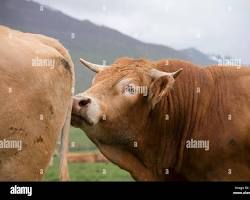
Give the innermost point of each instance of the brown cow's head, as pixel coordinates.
(114, 110)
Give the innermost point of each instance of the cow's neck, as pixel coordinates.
(173, 122)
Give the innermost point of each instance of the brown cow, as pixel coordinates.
(36, 77)
(193, 125)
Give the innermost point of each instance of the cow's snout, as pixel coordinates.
(86, 109)
(84, 102)
(80, 103)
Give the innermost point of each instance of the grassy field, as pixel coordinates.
(86, 171)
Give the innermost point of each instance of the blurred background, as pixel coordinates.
(204, 32)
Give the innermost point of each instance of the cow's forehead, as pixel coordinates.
(132, 62)
(120, 71)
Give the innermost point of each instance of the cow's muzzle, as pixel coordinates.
(85, 110)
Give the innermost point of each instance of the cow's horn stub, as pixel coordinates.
(94, 67)
(175, 74)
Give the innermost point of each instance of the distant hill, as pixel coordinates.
(85, 39)
(197, 56)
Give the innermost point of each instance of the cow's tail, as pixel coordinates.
(63, 168)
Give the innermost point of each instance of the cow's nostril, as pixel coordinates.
(84, 102)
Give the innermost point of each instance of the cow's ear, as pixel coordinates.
(161, 84)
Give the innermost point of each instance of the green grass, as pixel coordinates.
(86, 171)
(82, 142)
(97, 172)
(89, 172)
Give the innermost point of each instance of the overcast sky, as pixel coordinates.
(212, 26)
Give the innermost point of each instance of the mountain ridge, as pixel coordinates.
(83, 38)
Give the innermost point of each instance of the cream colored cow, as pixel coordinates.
(36, 77)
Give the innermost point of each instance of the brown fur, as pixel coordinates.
(161, 143)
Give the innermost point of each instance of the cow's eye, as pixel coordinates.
(129, 89)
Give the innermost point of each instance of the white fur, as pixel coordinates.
(93, 111)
